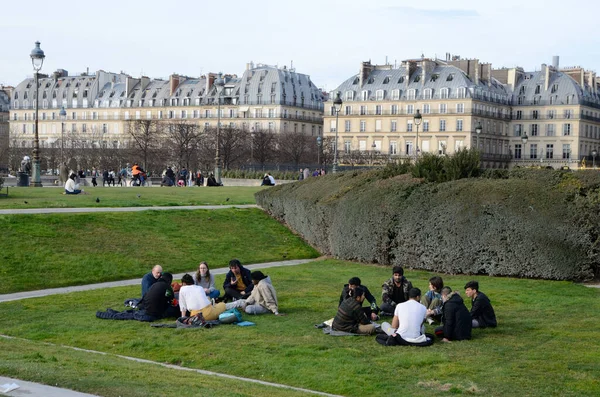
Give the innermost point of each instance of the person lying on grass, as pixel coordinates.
(370, 311)
(350, 317)
(482, 312)
(455, 317)
(71, 187)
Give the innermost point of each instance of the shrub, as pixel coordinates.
(465, 163)
(430, 167)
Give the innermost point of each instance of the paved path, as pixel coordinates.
(137, 281)
(119, 209)
(37, 390)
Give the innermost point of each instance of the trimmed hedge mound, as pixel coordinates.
(535, 223)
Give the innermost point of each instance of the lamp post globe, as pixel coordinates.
(337, 106)
(37, 61)
(524, 138)
(63, 117)
(478, 130)
(219, 84)
(417, 120)
(319, 144)
(594, 154)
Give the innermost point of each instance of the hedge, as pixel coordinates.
(522, 223)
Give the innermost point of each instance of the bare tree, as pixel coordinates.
(146, 135)
(263, 147)
(183, 139)
(294, 146)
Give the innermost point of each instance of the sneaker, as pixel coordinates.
(430, 321)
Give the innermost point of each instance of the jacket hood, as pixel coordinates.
(266, 280)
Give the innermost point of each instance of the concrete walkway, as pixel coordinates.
(37, 390)
(119, 209)
(136, 281)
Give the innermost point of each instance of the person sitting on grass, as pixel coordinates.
(350, 317)
(370, 311)
(394, 291)
(408, 318)
(192, 298)
(482, 312)
(456, 318)
(238, 282)
(150, 278)
(206, 280)
(433, 299)
(263, 298)
(157, 302)
(71, 187)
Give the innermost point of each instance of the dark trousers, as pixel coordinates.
(231, 293)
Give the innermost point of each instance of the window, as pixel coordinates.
(363, 110)
(377, 125)
(550, 114)
(460, 108)
(394, 126)
(549, 151)
(518, 128)
(348, 110)
(137, 115)
(395, 95)
(411, 94)
(537, 89)
(443, 108)
(534, 130)
(535, 114)
(568, 114)
(270, 113)
(442, 125)
(444, 93)
(347, 146)
(149, 114)
(365, 95)
(533, 151)
(332, 126)
(442, 146)
(379, 95)
(566, 129)
(426, 108)
(363, 126)
(83, 127)
(348, 126)
(566, 151)
(459, 125)
(425, 125)
(519, 115)
(518, 151)
(207, 113)
(349, 95)
(427, 93)
(410, 109)
(409, 126)
(462, 92)
(393, 147)
(394, 109)
(378, 109)
(104, 128)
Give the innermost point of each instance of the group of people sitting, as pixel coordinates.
(252, 292)
(411, 309)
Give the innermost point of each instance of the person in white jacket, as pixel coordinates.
(263, 298)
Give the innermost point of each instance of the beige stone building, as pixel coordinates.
(99, 107)
(5, 93)
(557, 109)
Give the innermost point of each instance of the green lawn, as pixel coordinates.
(55, 250)
(545, 343)
(26, 197)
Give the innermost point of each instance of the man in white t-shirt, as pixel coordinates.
(192, 298)
(408, 318)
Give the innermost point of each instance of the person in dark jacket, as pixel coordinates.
(156, 302)
(350, 317)
(482, 312)
(455, 317)
(238, 282)
(370, 311)
(394, 291)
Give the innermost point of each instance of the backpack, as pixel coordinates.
(230, 316)
(196, 321)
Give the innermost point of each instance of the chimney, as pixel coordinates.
(130, 83)
(210, 80)
(555, 63)
(546, 71)
(145, 82)
(365, 71)
(173, 83)
(411, 68)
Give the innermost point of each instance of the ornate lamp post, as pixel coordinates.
(417, 120)
(478, 130)
(37, 60)
(337, 106)
(219, 83)
(63, 117)
(524, 140)
(319, 144)
(594, 154)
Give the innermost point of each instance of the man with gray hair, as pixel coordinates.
(150, 278)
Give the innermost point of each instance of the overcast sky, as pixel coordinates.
(326, 39)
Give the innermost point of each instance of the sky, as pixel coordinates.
(326, 39)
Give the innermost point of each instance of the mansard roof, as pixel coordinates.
(562, 89)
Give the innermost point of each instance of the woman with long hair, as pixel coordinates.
(206, 280)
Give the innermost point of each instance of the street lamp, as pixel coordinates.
(252, 136)
(594, 154)
(417, 119)
(219, 83)
(319, 144)
(524, 140)
(63, 117)
(478, 130)
(337, 106)
(373, 147)
(37, 60)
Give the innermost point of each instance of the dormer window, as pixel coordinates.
(538, 89)
(349, 95)
(417, 79)
(434, 77)
(444, 93)
(379, 95)
(371, 80)
(554, 88)
(386, 80)
(401, 80)
(450, 77)
(522, 90)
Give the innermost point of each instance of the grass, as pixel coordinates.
(55, 250)
(543, 345)
(21, 198)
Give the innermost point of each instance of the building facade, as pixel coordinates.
(99, 107)
(554, 108)
(5, 93)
